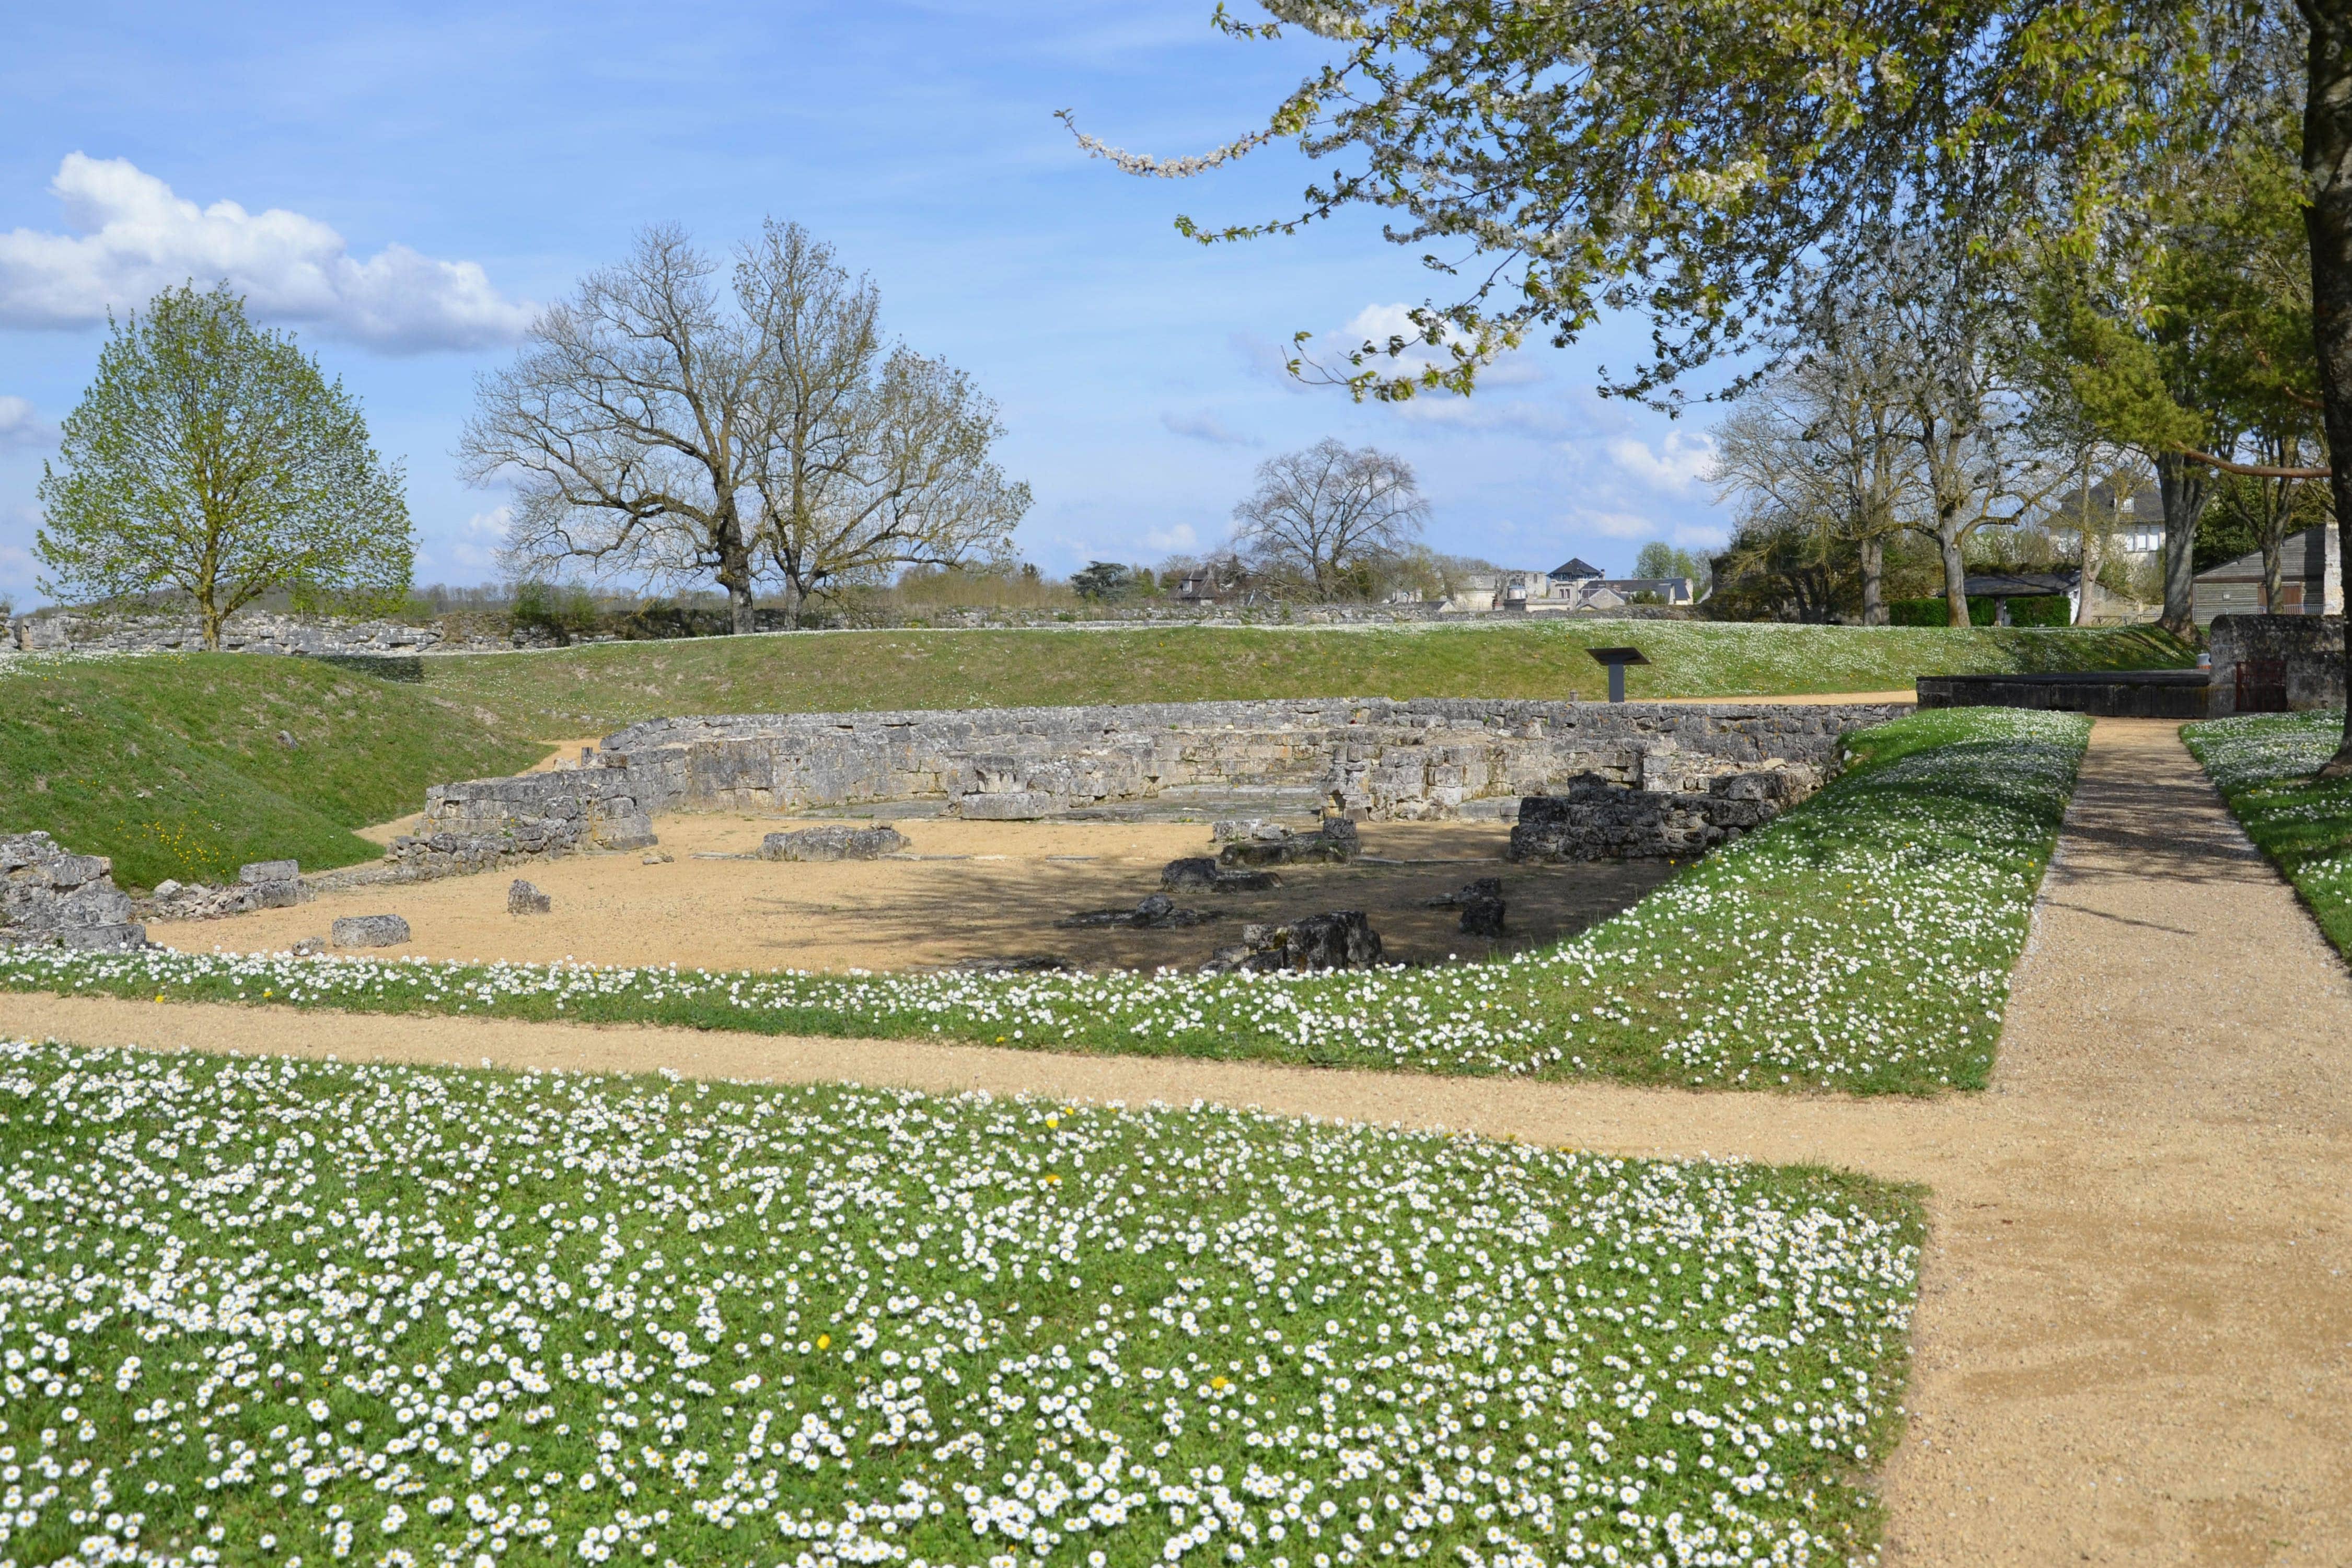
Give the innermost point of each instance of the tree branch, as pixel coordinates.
(2254, 470)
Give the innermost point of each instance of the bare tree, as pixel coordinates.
(881, 455)
(1821, 445)
(661, 426)
(1331, 518)
(633, 425)
(1977, 453)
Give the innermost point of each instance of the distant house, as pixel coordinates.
(1572, 586)
(1626, 591)
(2311, 581)
(2132, 519)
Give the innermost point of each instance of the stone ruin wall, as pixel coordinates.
(1369, 758)
(2309, 650)
(98, 631)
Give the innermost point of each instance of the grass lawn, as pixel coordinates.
(261, 1312)
(1861, 941)
(175, 764)
(2262, 764)
(595, 690)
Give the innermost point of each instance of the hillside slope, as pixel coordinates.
(187, 766)
(595, 690)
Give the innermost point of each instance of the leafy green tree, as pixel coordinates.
(1688, 163)
(213, 458)
(2188, 336)
(1106, 581)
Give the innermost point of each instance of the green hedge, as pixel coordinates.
(2050, 612)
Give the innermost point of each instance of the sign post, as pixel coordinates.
(1617, 659)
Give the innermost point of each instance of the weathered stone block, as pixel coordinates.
(259, 871)
(1336, 840)
(1014, 806)
(125, 937)
(370, 931)
(833, 843)
(74, 870)
(523, 898)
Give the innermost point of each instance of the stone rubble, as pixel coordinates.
(1156, 912)
(260, 885)
(1336, 841)
(1343, 940)
(50, 896)
(1204, 872)
(523, 898)
(1597, 817)
(833, 843)
(1481, 903)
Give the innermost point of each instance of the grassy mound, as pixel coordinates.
(187, 766)
(1861, 941)
(596, 690)
(2263, 763)
(263, 1311)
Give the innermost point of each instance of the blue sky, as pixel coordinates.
(409, 182)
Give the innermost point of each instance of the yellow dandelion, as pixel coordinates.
(1216, 1382)
(1053, 1120)
(824, 1342)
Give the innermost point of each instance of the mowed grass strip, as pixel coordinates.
(1861, 941)
(262, 1311)
(2262, 764)
(187, 766)
(598, 689)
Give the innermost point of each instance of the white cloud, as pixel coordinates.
(21, 426)
(479, 539)
(130, 238)
(1208, 427)
(1678, 466)
(1619, 525)
(1178, 538)
(1515, 416)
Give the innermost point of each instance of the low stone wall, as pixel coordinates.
(2106, 694)
(2293, 662)
(1366, 758)
(251, 632)
(256, 632)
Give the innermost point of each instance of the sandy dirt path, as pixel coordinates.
(977, 893)
(2135, 1340)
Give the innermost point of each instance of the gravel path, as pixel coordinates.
(2134, 1345)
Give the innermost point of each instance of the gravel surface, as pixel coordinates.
(2135, 1339)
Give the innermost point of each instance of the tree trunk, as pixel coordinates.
(209, 617)
(2089, 583)
(1956, 576)
(2327, 170)
(735, 577)
(1873, 580)
(2271, 552)
(2183, 486)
